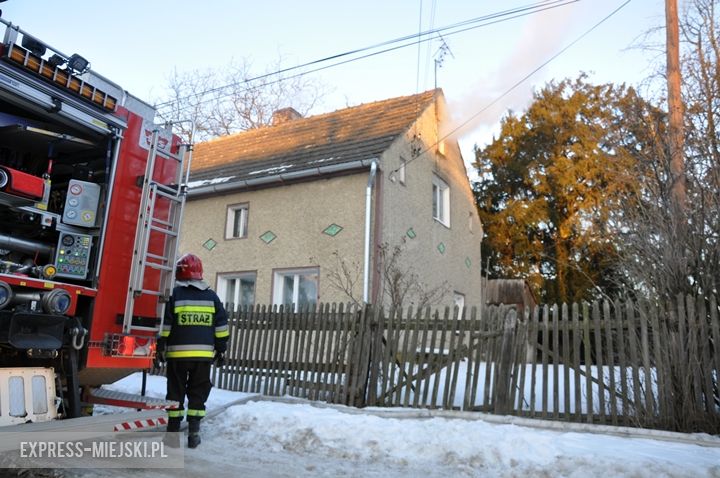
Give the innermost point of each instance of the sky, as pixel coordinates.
(139, 43)
(293, 438)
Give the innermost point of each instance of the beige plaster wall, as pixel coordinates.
(297, 214)
(410, 206)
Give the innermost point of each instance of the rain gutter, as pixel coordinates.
(277, 179)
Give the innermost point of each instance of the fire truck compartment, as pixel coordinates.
(27, 394)
(53, 186)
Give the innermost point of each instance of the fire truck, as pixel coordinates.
(91, 200)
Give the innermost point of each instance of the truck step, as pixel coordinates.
(130, 400)
(89, 427)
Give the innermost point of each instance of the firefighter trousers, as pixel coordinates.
(189, 378)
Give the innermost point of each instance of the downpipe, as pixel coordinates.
(368, 214)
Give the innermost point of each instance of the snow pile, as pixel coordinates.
(452, 447)
(271, 438)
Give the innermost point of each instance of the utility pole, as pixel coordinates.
(675, 108)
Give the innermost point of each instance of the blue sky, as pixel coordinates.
(138, 44)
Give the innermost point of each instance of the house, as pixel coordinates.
(368, 203)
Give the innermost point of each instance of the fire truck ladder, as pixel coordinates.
(161, 211)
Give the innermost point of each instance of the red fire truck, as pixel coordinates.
(91, 199)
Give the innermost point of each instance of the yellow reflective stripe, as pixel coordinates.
(175, 413)
(221, 334)
(194, 308)
(195, 413)
(165, 333)
(189, 353)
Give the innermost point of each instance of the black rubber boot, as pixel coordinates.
(172, 435)
(193, 432)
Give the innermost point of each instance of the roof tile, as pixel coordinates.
(356, 133)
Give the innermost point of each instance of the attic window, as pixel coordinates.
(441, 147)
(401, 170)
(441, 201)
(237, 221)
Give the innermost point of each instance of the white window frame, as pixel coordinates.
(441, 147)
(441, 198)
(401, 170)
(279, 283)
(230, 221)
(222, 286)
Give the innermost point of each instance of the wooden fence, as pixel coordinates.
(620, 363)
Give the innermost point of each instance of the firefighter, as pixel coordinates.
(195, 332)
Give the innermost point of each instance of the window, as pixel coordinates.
(401, 170)
(441, 147)
(298, 287)
(441, 201)
(237, 289)
(237, 220)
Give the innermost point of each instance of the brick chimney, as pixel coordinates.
(284, 115)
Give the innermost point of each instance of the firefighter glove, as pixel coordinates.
(159, 359)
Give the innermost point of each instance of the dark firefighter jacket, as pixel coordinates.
(195, 323)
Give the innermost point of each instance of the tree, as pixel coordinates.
(550, 184)
(400, 285)
(231, 99)
(667, 252)
(345, 276)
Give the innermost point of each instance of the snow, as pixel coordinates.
(273, 170)
(283, 437)
(323, 160)
(209, 182)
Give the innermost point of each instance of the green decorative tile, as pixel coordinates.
(268, 237)
(209, 244)
(332, 230)
(411, 233)
(441, 248)
(468, 262)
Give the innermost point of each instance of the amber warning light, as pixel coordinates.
(52, 70)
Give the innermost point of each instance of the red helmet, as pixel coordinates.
(189, 267)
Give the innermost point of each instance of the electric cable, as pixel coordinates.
(515, 85)
(417, 38)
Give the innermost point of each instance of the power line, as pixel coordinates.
(516, 84)
(417, 72)
(418, 38)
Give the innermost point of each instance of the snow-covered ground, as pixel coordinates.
(287, 438)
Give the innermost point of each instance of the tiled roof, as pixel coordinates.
(351, 134)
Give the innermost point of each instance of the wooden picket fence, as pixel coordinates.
(619, 363)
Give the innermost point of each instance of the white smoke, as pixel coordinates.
(538, 38)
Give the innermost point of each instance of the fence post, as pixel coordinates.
(505, 366)
(377, 331)
(360, 357)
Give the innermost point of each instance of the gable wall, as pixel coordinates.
(410, 206)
